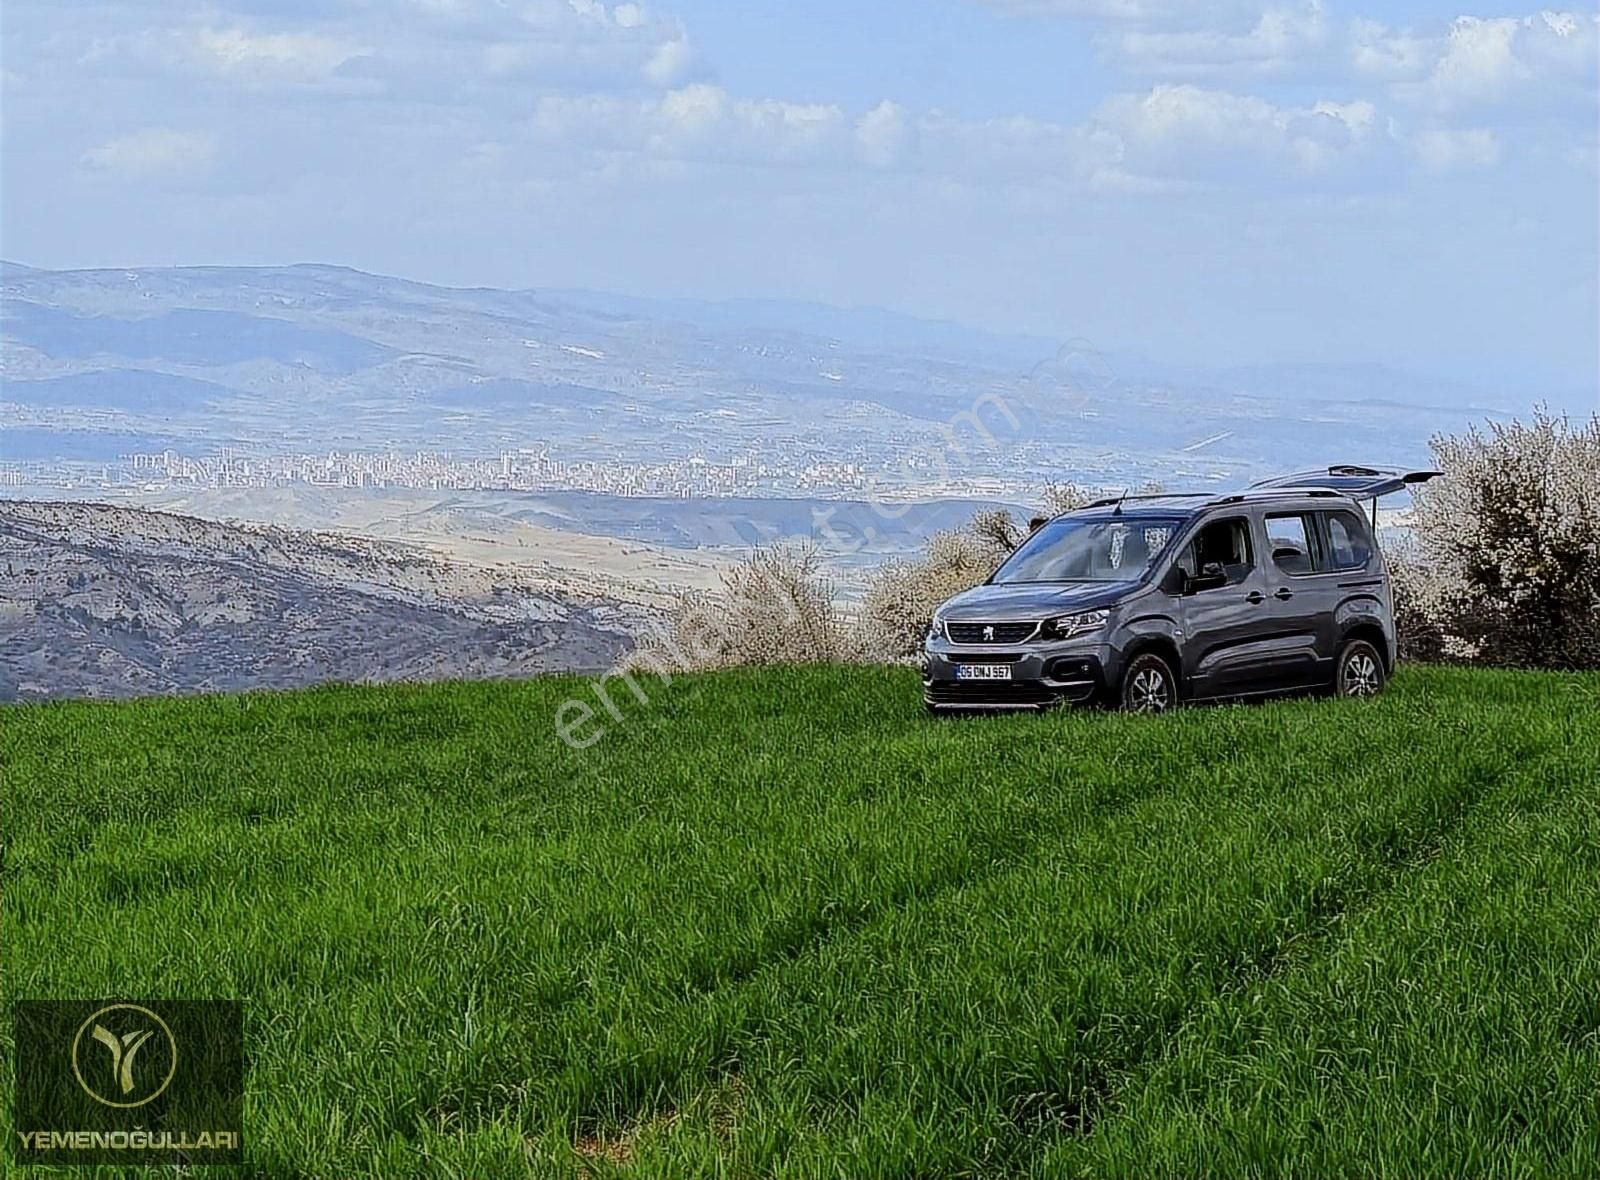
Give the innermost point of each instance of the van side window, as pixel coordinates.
(1289, 537)
(1224, 543)
(1348, 547)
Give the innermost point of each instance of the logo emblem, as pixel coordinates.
(988, 633)
(111, 1062)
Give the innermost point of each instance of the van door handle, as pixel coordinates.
(1255, 596)
(1282, 593)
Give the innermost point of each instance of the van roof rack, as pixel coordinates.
(1107, 501)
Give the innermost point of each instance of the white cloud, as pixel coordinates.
(1531, 59)
(670, 62)
(1480, 60)
(1174, 136)
(1279, 39)
(271, 55)
(1443, 149)
(441, 50)
(791, 127)
(881, 134)
(1378, 52)
(1143, 141)
(1184, 130)
(691, 112)
(695, 122)
(1483, 61)
(1117, 10)
(153, 151)
(560, 88)
(704, 122)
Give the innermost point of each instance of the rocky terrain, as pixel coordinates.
(97, 600)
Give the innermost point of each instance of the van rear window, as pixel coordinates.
(1348, 547)
(1321, 542)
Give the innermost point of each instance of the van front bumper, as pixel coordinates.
(1040, 676)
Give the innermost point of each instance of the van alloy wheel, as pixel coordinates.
(1148, 685)
(1360, 670)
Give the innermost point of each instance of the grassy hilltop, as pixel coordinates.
(782, 923)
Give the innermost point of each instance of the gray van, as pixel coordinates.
(1146, 601)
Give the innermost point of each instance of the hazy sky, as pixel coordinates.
(1218, 183)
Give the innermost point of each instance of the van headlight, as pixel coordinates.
(1072, 626)
(936, 628)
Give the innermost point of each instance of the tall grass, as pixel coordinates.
(778, 922)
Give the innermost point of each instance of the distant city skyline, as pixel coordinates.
(1202, 184)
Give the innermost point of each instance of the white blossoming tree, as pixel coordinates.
(1503, 565)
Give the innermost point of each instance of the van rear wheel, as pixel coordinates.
(1359, 671)
(1148, 685)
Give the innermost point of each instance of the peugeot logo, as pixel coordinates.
(988, 633)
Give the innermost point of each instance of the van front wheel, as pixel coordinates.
(1148, 685)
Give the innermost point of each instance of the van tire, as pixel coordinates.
(1148, 685)
(1359, 670)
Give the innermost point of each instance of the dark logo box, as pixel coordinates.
(128, 1082)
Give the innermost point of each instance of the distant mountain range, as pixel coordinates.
(99, 363)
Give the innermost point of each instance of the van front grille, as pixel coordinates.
(979, 633)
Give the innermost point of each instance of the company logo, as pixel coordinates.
(101, 1081)
(988, 633)
(110, 1059)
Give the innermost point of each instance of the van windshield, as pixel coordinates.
(1119, 549)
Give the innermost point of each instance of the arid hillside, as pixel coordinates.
(108, 601)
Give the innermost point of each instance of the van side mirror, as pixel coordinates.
(1175, 582)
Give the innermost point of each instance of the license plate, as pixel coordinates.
(983, 671)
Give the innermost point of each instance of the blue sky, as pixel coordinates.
(1221, 183)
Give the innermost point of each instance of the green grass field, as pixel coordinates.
(784, 924)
